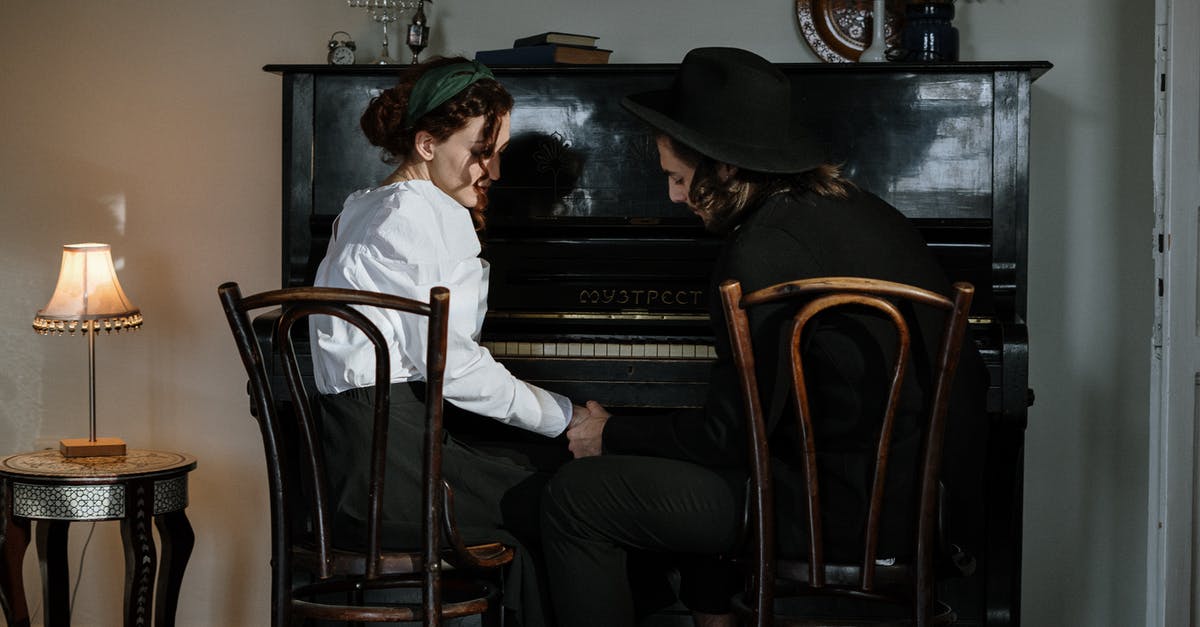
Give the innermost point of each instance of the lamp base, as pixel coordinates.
(83, 447)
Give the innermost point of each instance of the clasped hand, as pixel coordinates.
(586, 430)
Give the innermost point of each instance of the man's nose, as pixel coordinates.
(676, 194)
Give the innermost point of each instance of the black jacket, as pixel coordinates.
(796, 236)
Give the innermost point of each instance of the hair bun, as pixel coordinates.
(384, 118)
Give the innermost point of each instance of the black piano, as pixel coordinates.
(598, 281)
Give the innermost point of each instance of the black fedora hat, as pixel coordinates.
(733, 106)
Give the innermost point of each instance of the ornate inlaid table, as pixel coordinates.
(136, 488)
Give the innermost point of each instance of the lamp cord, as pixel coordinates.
(79, 571)
(78, 577)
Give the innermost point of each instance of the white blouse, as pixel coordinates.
(403, 239)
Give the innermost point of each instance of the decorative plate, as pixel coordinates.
(839, 30)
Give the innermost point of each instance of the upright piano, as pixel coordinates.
(598, 281)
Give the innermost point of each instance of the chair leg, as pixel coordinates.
(496, 614)
(493, 617)
(356, 597)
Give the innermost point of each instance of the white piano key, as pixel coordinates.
(600, 350)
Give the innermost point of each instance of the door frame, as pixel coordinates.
(1175, 358)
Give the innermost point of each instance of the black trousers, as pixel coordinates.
(498, 473)
(598, 510)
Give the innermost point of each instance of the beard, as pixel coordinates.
(718, 220)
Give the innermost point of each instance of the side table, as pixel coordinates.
(135, 488)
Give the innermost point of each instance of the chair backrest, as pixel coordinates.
(296, 469)
(812, 297)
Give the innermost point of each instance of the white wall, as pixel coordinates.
(1091, 286)
(151, 126)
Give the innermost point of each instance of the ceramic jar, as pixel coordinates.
(929, 35)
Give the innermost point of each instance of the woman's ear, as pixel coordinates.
(423, 145)
(726, 172)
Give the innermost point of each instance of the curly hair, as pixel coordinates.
(725, 200)
(385, 125)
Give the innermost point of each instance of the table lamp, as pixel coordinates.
(88, 299)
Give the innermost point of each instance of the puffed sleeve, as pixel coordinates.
(400, 262)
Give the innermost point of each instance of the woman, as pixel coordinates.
(444, 126)
(676, 485)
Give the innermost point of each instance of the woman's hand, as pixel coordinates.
(579, 413)
(586, 434)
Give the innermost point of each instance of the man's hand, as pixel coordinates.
(586, 434)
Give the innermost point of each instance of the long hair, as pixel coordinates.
(726, 200)
(386, 127)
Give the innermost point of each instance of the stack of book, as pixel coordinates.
(545, 49)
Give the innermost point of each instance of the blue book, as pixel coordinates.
(553, 37)
(545, 54)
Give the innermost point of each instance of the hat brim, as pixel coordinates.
(796, 154)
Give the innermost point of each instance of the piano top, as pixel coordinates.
(1035, 68)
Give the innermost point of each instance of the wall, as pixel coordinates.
(1090, 301)
(151, 126)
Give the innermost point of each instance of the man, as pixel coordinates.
(676, 485)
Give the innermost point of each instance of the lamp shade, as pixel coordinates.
(88, 296)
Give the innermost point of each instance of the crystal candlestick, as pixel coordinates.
(384, 12)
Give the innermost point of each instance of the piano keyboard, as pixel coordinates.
(601, 350)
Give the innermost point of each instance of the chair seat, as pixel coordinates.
(343, 562)
(460, 597)
(890, 578)
(808, 611)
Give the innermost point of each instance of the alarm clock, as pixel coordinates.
(341, 51)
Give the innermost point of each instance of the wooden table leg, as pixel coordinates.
(138, 539)
(51, 538)
(177, 539)
(14, 540)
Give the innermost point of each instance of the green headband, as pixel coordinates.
(441, 84)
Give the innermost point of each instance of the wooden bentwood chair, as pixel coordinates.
(894, 584)
(312, 578)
